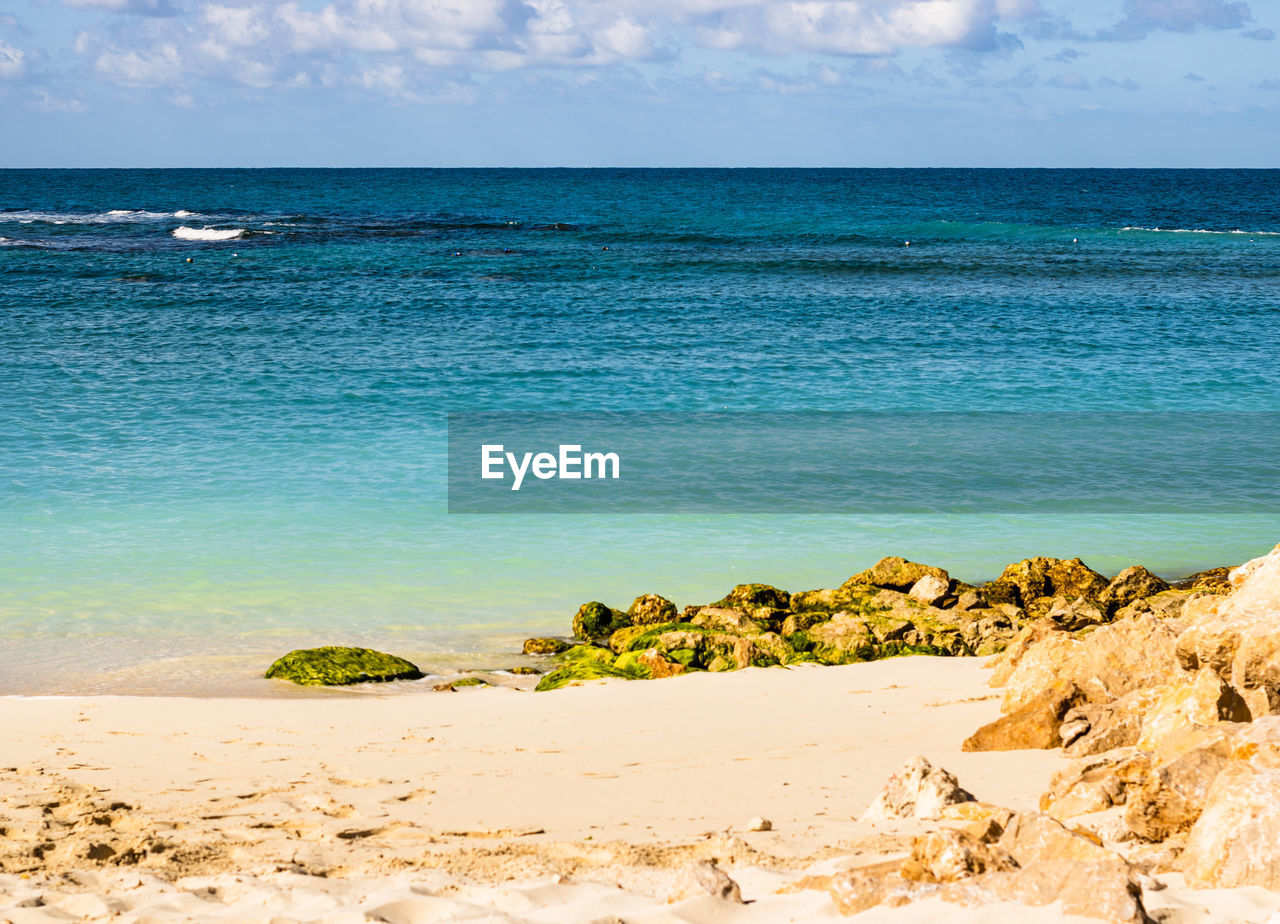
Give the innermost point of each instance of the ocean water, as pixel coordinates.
(224, 393)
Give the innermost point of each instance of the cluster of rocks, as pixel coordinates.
(895, 607)
(1170, 716)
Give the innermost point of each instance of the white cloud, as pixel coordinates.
(13, 62)
(139, 68)
(1143, 17)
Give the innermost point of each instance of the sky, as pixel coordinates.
(981, 83)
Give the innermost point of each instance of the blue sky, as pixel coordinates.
(640, 82)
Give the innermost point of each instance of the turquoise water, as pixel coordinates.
(246, 452)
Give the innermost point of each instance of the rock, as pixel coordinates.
(856, 890)
(545, 646)
(975, 599)
(916, 790)
(337, 666)
(1116, 724)
(1204, 700)
(1133, 583)
(987, 631)
(1238, 636)
(896, 574)
(1170, 798)
(843, 639)
(930, 589)
(949, 855)
(751, 597)
(650, 663)
(726, 619)
(760, 824)
(651, 609)
(1076, 615)
(1236, 840)
(1213, 581)
(1053, 577)
(1109, 662)
(1001, 591)
(594, 621)
(525, 671)
(1035, 724)
(1093, 784)
(1167, 604)
(1026, 638)
(1034, 837)
(584, 663)
(706, 878)
(1107, 890)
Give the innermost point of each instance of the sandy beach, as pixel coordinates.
(587, 804)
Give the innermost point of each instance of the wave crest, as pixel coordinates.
(208, 234)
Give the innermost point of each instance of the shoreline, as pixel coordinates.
(236, 669)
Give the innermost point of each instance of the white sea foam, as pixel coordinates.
(1200, 231)
(207, 234)
(112, 216)
(182, 213)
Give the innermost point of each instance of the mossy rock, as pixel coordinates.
(594, 621)
(338, 666)
(523, 671)
(750, 597)
(545, 646)
(471, 682)
(849, 597)
(651, 609)
(584, 663)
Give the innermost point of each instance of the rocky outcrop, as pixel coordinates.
(337, 666)
(1053, 577)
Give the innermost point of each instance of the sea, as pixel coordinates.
(225, 394)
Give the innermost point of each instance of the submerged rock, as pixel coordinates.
(339, 666)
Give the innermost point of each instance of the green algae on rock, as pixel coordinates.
(594, 620)
(545, 646)
(339, 666)
(586, 662)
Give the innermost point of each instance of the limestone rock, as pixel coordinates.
(1236, 840)
(1133, 583)
(1100, 727)
(1076, 614)
(973, 599)
(916, 790)
(594, 620)
(1204, 700)
(1034, 837)
(1109, 662)
(856, 890)
(1093, 784)
(1172, 797)
(650, 663)
(339, 666)
(1001, 591)
(651, 609)
(896, 574)
(1107, 890)
(706, 878)
(1034, 724)
(948, 855)
(930, 589)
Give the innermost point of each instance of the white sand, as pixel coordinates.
(574, 806)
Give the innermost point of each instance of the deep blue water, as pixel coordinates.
(246, 451)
